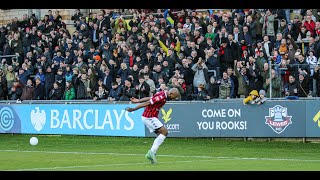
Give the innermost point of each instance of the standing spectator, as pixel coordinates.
(69, 93)
(243, 80)
(16, 46)
(101, 93)
(26, 41)
(303, 85)
(3, 86)
(39, 92)
(267, 21)
(55, 92)
(76, 16)
(49, 77)
(212, 61)
(317, 79)
(40, 75)
(15, 91)
(291, 88)
(200, 75)
(275, 82)
(233, 77)
(128, 91)
(60, 79)
(10, 76)
(115, 92)
(123, 72)
(309, 24)
(27, 90)
(226, 87)
(150, 82)
(213, 88)
(84, 86)
(143, 88)
(24, 75)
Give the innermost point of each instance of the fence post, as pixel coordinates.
(270, 85)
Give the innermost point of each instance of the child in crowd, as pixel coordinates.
(251, 98)
(262, 97)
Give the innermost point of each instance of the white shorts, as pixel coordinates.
(152, 123)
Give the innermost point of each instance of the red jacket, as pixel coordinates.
(310, 26)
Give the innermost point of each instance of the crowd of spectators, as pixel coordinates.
(116, 54)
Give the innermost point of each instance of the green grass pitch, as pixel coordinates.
(101, 153)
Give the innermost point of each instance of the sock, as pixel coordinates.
(157, 142)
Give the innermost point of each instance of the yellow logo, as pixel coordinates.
(166, 115)
(317, 118)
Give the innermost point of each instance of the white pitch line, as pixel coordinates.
(166, 155)
(104, 165)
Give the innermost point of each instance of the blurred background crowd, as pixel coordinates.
(116, 54)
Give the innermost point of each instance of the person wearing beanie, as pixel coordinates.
(262, 97)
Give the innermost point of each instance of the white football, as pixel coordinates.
(33, 141)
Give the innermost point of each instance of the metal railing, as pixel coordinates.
(128, 102)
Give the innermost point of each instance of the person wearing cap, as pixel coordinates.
(87, 43)
(119, 81)
(115, 92)
(303, 85)
(97, 57)
(59, 58)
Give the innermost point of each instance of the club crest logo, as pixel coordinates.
(278, 118)
(38, 118)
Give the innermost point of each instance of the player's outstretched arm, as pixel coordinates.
(135, 100)
(138, 106)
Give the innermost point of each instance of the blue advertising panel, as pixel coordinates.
(272, 119)
(313, 119)
(9, 120)
(78, 119)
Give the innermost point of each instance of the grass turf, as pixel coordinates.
(101, 153)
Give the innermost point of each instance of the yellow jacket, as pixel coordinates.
(249, 98)
(165, 48)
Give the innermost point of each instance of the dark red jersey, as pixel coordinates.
(157, 101)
